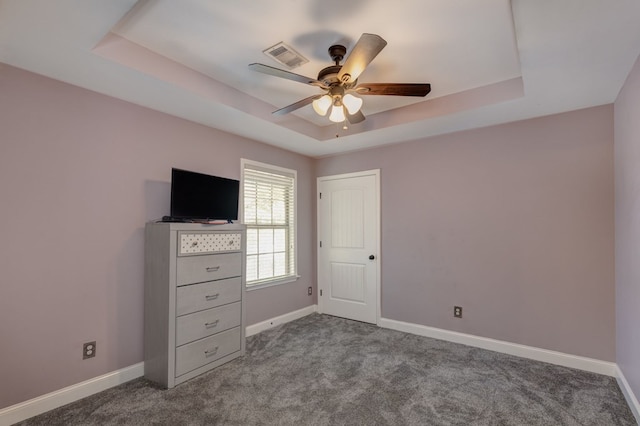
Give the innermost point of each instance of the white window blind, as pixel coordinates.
(269, 213)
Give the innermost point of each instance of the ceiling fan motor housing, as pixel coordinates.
(329, 75)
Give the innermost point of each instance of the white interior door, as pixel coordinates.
(348, 252)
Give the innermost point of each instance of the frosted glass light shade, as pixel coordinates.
(337, 114)
(352, 103)
(321, 106)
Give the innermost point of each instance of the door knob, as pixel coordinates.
(372, 257)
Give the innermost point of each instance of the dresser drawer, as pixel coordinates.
(203, 351)
(206, 323)
(198, 297)
(197, 269)
(208, 242)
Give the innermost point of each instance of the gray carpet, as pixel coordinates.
(322, 370)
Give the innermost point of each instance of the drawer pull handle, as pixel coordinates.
(211, 352)
(212, 268)
(193, 244)
(212, 296)
(212, 324)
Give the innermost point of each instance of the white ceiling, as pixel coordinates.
(489, 62)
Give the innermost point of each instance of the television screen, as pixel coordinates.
(198, 196)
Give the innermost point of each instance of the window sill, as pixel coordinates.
(272, 283)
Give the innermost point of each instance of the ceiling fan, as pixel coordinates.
(340, 82)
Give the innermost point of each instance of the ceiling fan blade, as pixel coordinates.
(297, 105)
(277, 72)
(365, 50)
(394, 89)
(356, 118)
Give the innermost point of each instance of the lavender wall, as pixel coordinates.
(80, 174)
(627, 190)
(514, 223)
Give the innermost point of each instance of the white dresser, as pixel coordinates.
(194, 299)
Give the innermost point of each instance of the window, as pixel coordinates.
(269, 204)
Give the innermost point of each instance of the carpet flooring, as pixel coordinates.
(323, 370)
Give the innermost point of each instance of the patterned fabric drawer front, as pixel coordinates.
(203, 351)
(198, 269)
(208, 242)
(198, 297)
(206, 323)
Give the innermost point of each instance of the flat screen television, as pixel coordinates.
(201, 197)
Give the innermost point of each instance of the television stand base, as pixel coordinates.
(175, 219)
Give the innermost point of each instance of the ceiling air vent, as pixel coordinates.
(285, 55)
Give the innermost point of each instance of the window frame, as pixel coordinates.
(269, 168)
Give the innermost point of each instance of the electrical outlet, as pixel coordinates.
(310, 291)
(457, 311)
(88, 350)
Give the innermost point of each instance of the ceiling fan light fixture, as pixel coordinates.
(352, 103)
(322, 105)
(337, 114)
(339, 82)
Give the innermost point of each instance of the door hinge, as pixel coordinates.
(321, 195)
(320, 292)
(320, 244)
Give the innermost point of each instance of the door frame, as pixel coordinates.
(376, 174)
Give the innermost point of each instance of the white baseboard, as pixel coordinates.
(50, 401)
(631, 398)
(530, 352)
(282, 319)
(33, 407)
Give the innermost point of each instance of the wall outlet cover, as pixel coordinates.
(89, 350)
